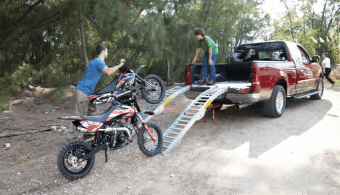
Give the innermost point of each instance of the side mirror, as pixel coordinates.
(315, 58)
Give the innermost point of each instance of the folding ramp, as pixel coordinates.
(158, 108)
(194, 112)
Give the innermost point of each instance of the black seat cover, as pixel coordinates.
(108, 88)
(101, 118)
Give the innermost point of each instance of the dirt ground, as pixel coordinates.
(245, 152)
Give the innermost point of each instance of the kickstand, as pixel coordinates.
(106, 155)
(205, 120)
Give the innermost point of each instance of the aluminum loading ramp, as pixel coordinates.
(194, 112)
(158, 108)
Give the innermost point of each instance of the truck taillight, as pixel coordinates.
(187, 75)
(255, 87)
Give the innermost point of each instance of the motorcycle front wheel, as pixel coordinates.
(70, 162)
(153, 90)
(146, 144)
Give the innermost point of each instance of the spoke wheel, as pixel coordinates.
(145, 142)
(70, 162)
(153, 90)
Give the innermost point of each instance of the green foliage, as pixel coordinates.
(317, 33)
(4, 95)
(40, 41)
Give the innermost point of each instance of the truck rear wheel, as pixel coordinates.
(275, 106)
(320, 89)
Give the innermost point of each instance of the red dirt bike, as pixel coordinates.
(76, 158)
(152, 87)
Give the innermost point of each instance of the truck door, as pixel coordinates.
(305, 77)
(296, 56)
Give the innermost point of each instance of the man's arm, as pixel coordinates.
(210, 54)
(197, 52)
(112, 70)
(323, 66)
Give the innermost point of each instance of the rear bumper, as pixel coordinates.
(243, 98)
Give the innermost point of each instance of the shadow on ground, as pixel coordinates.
(251, 125)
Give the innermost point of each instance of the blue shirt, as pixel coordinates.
(91, 76)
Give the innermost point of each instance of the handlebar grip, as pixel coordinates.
(122, 60)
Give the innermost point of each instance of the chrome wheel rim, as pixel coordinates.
(151, 92)
(279, 101)
(71, 162)
(320, 89)
(148, 143)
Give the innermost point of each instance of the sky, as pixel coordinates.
(275, 7)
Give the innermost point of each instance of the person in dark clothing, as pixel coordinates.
(326, 66)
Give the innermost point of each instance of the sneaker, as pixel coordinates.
(201, 81)
(211, 82)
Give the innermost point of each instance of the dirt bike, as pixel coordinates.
(76, 158)
(152, 86)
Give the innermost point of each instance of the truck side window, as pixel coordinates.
(303, 55)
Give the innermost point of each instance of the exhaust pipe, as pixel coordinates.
(240, 106)
(108, 130)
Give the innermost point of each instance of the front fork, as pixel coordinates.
(145, 82)
(139, 126)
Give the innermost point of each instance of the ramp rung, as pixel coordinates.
(193, 109)
(202, 100)
(170, 137)
(187, 117)
(173, 133)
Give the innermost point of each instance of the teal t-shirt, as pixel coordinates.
(91, 76)
(206, 43)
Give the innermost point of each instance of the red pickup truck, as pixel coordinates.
(265, 72)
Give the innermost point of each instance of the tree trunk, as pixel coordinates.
(167, 60)
(85, 59)
(204, 10)
(323, 14)
(290, 20)
(41, 49)
(304, 20)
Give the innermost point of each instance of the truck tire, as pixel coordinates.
(275, 106)
(320, 89)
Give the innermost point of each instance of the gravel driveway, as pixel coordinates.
(244, 153)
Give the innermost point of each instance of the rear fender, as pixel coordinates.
(77, 118)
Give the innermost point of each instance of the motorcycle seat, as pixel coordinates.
(108, 88)
(100, 118)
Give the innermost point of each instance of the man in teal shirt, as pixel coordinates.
(85, 87)
(211, 51)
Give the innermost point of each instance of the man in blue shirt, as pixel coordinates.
(86, 86)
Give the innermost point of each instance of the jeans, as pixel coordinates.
(327, 72)
(206, 66)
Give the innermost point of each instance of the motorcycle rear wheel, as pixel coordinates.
(151, 94)
(69, 160)
(146, 144)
